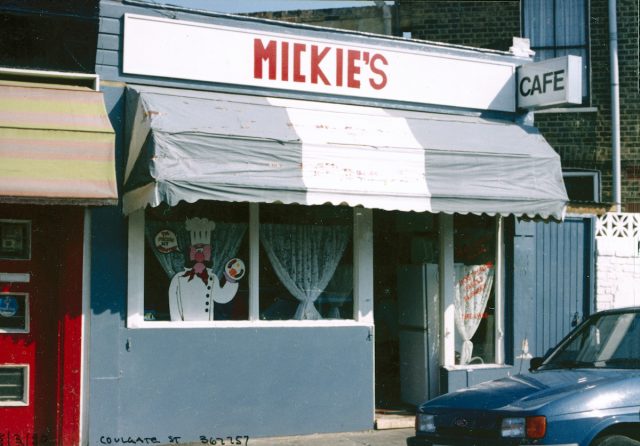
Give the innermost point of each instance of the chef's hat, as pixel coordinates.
(200, 230)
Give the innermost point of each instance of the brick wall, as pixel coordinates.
(629, 65)
(618, 278)
(483, 24)
(582, 139)
(593, 149)
(366, 19)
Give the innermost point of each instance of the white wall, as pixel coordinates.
(617, 261)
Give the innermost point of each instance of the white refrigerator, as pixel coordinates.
(419, 328)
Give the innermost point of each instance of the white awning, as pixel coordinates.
(193, 145)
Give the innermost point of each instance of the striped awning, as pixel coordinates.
(56, 145)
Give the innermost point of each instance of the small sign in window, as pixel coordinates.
(15, 239)
(13, 385)
(14, 312)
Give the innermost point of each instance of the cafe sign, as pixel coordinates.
(550, 82)
(332, 63)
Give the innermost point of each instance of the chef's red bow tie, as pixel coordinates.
(203, 275)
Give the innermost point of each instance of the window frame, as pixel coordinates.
(362, 279)
(586, 100)
(27, 316)
(28, 227)
(25, 387)
(448, 330)
(594, 175)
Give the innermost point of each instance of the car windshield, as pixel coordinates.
(611, 340)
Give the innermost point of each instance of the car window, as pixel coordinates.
(610, 340)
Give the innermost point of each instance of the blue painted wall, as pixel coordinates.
(222, 382)
(213, 382)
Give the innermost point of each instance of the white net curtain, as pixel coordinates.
(472, 291)
(338, 291)
(305, 258)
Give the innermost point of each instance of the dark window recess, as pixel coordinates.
(49, 35)
(12, 387)
(15, 240)
(582, 187)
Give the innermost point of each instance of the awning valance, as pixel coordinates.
(193, 145)
(56, 145)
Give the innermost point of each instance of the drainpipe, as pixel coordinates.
(615, 106)
(386, 16)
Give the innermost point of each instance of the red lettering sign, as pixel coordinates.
(285, 61)
(310, 63)
(298, 49)
(353, 70)
(382, 82)
(473, 284)
(339, 67)
(316, 59)
(262, 53)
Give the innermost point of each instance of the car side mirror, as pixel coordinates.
(535, 363)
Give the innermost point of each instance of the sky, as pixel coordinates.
(244, 6)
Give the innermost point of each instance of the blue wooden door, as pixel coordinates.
(553, 282)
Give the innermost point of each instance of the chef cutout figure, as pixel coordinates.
(192, 292)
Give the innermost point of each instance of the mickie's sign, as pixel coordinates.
(349, 68)
(337, 64)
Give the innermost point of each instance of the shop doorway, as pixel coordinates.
(40, 324)
(386, 258)
(406, 361)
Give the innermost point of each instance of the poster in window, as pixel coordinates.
(14, 312)
(193, 291)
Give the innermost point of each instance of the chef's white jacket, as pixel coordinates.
(192, 300)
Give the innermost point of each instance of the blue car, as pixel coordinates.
(584, 392)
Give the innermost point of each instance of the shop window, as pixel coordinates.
(194, 267)
(306, 271)
(197, 263)
(559, 28)
(475, 300)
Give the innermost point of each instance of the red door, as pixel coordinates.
(40, 324)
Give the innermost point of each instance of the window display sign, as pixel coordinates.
(14, 312)
(15, 239)
(474, 294)
(192, 300)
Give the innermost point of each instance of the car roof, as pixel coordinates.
(618, 310)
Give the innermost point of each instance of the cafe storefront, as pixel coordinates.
(286, 190)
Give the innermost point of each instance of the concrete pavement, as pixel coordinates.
(393, 429)
(386, 437)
